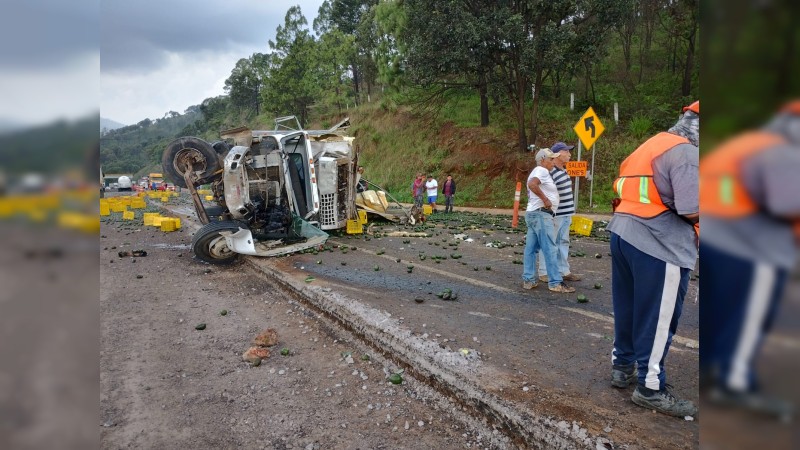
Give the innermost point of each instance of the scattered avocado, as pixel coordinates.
(200, 326)
(395, 378)
(284, 351)
(582, 298)
(224, 312)
(598, 286)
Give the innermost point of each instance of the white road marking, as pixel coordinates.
(679, 339)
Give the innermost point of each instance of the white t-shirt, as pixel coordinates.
(432, 187)
(547, 186)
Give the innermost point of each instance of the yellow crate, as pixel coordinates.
(177, 223)
(362, 217)
(164, 199)
(128, 215)
(138, 204)
(581, 225)
(105, 210)
(157, 221)
(148, 218)
(168, 224)
(83, 222)
(116, 207)
(427, 210)
(209, 197)
(354, 227)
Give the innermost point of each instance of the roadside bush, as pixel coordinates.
(640, 125)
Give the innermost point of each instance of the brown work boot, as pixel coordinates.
(572, 277)
(562, 289)
(543, 278)
(528, 285)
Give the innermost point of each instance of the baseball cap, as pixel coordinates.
(559, 146)
(545, 153)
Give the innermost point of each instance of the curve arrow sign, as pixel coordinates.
(589, 124)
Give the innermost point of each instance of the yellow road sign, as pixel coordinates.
(589, 128)
(577, 168)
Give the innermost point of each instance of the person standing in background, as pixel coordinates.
(418, 190)
(542, 201)
(449, 190)
(432, 188)
(564, 213)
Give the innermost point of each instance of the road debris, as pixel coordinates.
(134, 253)
(266, 338)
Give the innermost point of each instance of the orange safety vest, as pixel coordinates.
(635, 186)
(722, 192)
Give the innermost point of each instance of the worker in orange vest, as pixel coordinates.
(750, 192)
(653, 249)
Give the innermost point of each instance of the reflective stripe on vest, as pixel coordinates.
(722, 192)
(639, 196)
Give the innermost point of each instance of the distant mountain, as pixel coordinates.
(9, 125)
(109, 124)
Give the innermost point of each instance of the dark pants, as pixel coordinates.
(648, 298)
(739, 301)
(448, 203)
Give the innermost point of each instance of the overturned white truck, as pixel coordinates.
(275, 191)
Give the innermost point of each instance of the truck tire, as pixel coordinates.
(209, 246)
(190, 151)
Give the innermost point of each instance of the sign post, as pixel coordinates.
(591, 181)
(589, 128)
(577, 179)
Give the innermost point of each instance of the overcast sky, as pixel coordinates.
(166, 55)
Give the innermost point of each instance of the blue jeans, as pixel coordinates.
(562, 224)
(540, 236)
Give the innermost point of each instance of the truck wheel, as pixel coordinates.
(190, 152)
(210, 246)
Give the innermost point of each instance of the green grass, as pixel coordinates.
(395, 144)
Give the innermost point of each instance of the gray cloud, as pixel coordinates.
(47, 34)
(137, 36)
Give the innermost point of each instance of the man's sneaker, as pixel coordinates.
(563, 289)
(663, 401)
(528, 285)
(572, 277)
(753, 401)
(623, 376)
(543, 278)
